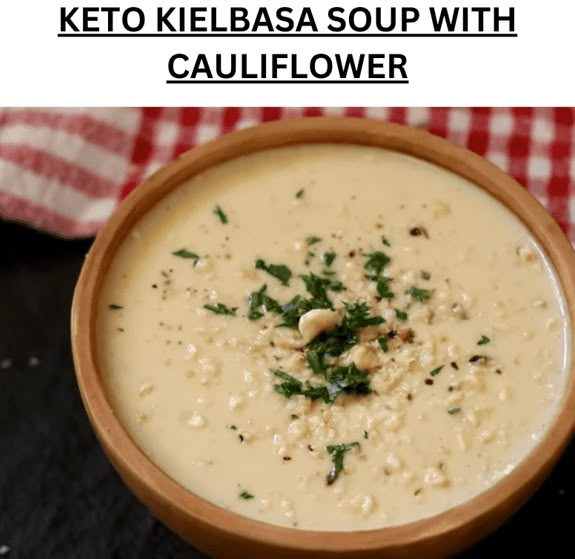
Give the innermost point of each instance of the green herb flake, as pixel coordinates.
(401, 315)
(383, 344)
(385, 242)
(328, 258)
(314, 361)
(436, 371)
(292, 311)
(313, 240)
(278, 271)
(259, 302)
(290, 385)
(184, 253)
(220, 308)
(233, 428)
(484, 340)
(220, 213)
(383, 288)
(337, 453)
(114, 307)
(421, 295)
(347, 379)
(246, 495)
(375, 263)
(317, 287)
(365, 435)
(453, 411)
(299, 193)
(357, 316)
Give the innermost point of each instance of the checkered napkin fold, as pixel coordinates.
(65, 170)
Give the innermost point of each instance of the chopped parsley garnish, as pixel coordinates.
(348, 379)
(484, 340)
(357, 316)
(299, 193)
(220, 213)
(383, 287)
(421, 295)
(333, 343)
(278, 271)
(220, 308)
(314, 361)
(453, 411)
(365, 435)
(259, 302)
(401, 315)
(246, 495)
(337, 453)
(375, 263)
(317, 287)
(292, 311)
(184, 253)
(436, 371)
(344, 336)
(233, 428)
(114, 307)
(290, 385)
(294, 387)
(383, 344)
(385, 242)
(328, 258)
(313, 240)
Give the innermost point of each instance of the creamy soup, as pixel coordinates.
(332, 337)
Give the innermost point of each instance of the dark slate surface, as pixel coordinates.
(59, 497)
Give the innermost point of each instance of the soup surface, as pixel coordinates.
(332, 337)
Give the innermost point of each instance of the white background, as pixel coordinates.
(38, 68)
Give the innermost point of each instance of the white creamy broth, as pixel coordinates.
(428, 386)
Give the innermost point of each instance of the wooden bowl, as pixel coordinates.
(221, 533)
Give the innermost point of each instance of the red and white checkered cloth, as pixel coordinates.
(65, 170)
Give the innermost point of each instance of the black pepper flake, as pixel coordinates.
(417, 492)
(310, 448)
(241, 437)
(429, 381)
(392, 334)
(425, 275)
(455, 365)
(477, 358)
(351, 253)
(410, 397)
(450, 389)
(499, 371)
(121, 330)
(418, 232)
(294, 416)
(286, 458)
(154, 286)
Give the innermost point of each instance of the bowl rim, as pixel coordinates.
(135, 465)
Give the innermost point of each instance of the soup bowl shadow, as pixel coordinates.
(222, 533)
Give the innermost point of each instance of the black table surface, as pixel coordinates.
(59, 496)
